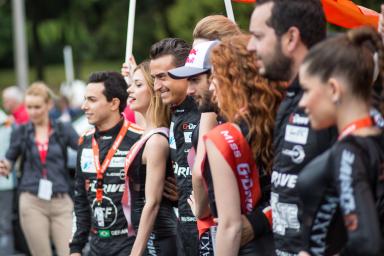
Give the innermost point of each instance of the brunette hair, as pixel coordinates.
(114, 86)
(40, 89)
(215, 27)
(176, 47)
(240, 87)
(352, 56)
(159, 113)
(308, 16)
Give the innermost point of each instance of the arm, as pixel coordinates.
(207, 122)
(155, 155)
(357, 204)
(73, 137)
(259, 222)
(82, 212)
(16, 148)
(18, 135)
(226, 194)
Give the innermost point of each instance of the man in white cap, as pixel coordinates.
(197, 70)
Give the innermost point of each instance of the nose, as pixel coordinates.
(303, 102)
(129, 89)
(251, 45)
(157, 85)
(84, 106)
(191, 90)
(211, 87)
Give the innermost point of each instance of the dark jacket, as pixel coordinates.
(295, 145)
(114, 224)
(23, 144)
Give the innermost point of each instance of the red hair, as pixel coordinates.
(245, 96)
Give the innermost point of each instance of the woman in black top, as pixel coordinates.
(240, 151)
(151, 214)
(44, 203)
(342, 190)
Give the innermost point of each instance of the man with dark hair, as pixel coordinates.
(282, 33)
(100, 177)
(166, 55)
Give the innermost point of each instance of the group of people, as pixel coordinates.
(266, 143)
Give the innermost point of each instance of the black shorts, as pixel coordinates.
(161, 246)
(112, 246)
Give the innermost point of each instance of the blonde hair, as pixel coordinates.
(215, 27)
(40, 89)
(159, 113)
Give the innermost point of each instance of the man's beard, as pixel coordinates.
(207, 104)
(280, 67)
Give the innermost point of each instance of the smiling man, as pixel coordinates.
(165, 55)
(100, 178)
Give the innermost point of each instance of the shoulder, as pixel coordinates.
(157, 141)
(346, 154)
(347, 144)
(156, 148)
(226, 130)
(86, 135)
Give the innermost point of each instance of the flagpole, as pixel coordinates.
(229, 9)
(131, 25)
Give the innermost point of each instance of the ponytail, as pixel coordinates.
(362, 37)
(352, 56)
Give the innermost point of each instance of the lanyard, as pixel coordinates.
(100, 169)
(42, 147)
(358, 124)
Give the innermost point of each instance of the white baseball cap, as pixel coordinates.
(198, 61)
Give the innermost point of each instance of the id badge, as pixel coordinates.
(45, 189)
(99, 216)
(213, 231)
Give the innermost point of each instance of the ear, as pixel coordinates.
(115, 103)
(290, 40)
(334, 89)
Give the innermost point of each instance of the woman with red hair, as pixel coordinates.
(240, 151)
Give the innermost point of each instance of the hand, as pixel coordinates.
(5, 167)
(170, 189)
(247, 231)
(303, 253)
(75, 254)
(191, 202)
(128, 68)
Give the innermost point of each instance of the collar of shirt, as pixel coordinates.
(187, 105)
(294, 88)
(111, 132)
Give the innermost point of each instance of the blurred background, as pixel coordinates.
(96, 31)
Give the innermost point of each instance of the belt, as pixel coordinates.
(59, 194)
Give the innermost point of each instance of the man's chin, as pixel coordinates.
(166, 100)
(90, 121)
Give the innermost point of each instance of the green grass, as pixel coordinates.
(55, 74)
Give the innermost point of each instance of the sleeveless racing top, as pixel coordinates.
(165, 224)
(235, 149)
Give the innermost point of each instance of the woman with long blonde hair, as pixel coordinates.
(148, 165)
